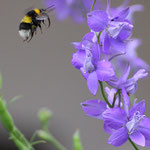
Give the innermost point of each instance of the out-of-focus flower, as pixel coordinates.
(122, 126)
(115, 30)
(131, 57)
(76, 9)
(87, 59)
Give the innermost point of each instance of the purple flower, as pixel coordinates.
(115, 30)
(76, 9)
(87, 60)
(129, 85)
(122, 126)
(95, 108)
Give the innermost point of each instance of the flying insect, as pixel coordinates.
(32, 20)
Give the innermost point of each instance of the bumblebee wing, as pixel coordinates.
(28, 9)
(44, 16)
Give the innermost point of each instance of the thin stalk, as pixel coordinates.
(56, 143)
(103, 93)
(133, 144)
(47, 136)
(93, 5)
(114, 100)
(119, 98)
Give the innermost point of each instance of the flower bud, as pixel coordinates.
(44, 115)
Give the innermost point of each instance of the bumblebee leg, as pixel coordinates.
(49, 22)
(40, 27)
(43, 22)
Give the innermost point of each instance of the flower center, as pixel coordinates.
(134, 122)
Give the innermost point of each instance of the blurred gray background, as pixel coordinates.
(41, 71)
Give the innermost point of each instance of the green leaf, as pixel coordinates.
(77, 145)
(13, 100)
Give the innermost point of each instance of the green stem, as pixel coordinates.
(133, 144)
(103, 93)
(114, 100)
(51, 139)
(93, 5)
(9, 125)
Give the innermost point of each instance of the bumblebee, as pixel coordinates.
(32, 20)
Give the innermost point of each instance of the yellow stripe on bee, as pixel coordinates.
(27, 19)
(37, 11)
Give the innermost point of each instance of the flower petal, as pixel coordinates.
(144, 128)
(94, 108)
(108, 129)
(125, 97)
(125, 74)
(140, 107)
(78, 59)
(126, 31)
(104, 70)
(92, 82)
(118, 45)
(119, 137)
(105, 42)
(138, 138)
(97, 20)
(115, 117)
(122, 15)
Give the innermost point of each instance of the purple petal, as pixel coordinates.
(95, 52)
(97, 20)
(126, 31)
(125, 74)
(92, 82)
(111, 93)
(144, 128)
(139, 75)
(105, 42)
(89, 36)
(118, 45)
(84, 73)
(119, 137)
(94, 108)
(104, 70)
(138, 138)
(122, 15)
(115, 117)
(140, 107)
(107, 129)
(125, 97)
(78, 59)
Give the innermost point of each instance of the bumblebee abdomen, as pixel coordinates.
(27, 19)
(25, 26)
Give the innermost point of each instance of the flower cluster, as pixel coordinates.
(108, 54)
